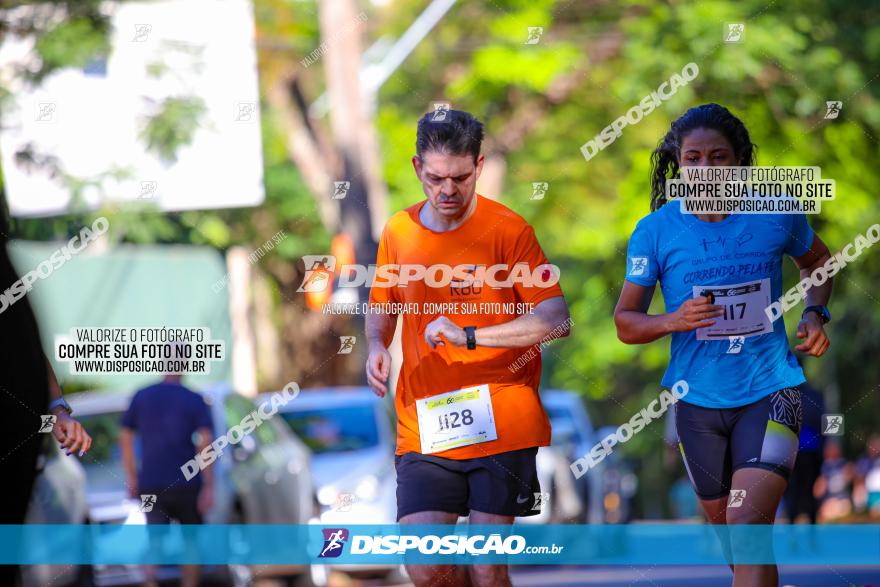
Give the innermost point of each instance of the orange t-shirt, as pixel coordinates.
(493, 234)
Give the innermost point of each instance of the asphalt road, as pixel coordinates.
(657, 576)
(691, 576)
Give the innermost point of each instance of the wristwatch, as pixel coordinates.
(822, 311)
(471, 333)
(62, 403)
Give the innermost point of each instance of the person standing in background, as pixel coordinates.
(799, 497)
(167, 416)
(866, 491)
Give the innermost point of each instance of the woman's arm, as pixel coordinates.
(67, 431)
(636, 326)
(811, 327)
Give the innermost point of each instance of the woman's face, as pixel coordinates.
(705, 147)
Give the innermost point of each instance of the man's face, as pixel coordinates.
(449, 181)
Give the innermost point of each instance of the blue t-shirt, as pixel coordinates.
(165, 416)
(681, 252)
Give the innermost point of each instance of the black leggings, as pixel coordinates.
(715, 442)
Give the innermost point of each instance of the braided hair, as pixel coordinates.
(664, 159)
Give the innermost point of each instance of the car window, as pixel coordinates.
(265, 431)
(336, 429)
(237, 408)
(562, 421)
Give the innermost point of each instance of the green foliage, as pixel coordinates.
(173, 126)
(540, 103)
(72, 43)
(794, 58)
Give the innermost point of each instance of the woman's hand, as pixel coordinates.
(692, 314)
(812, 329)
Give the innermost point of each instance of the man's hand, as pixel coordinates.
(811, 328)
(692, 314)
(442, 329)
(378, 368)
(70, 433)
(206, 498)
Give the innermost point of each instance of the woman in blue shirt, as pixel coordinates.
(738, 425)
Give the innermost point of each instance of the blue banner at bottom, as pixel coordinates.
(634, 544)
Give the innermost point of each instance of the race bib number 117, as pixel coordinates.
(743, 305)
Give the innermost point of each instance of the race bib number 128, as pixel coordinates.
(457, 418)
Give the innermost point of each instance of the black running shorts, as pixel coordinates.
(715, 442)
(505, 484)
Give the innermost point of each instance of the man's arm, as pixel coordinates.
(126, 443)
(206, 495)
(380, 327)
(548, 317)
(380, 330)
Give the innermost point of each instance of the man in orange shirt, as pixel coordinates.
(476, 291)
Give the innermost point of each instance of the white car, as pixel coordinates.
(350, 434)
(58, 497)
